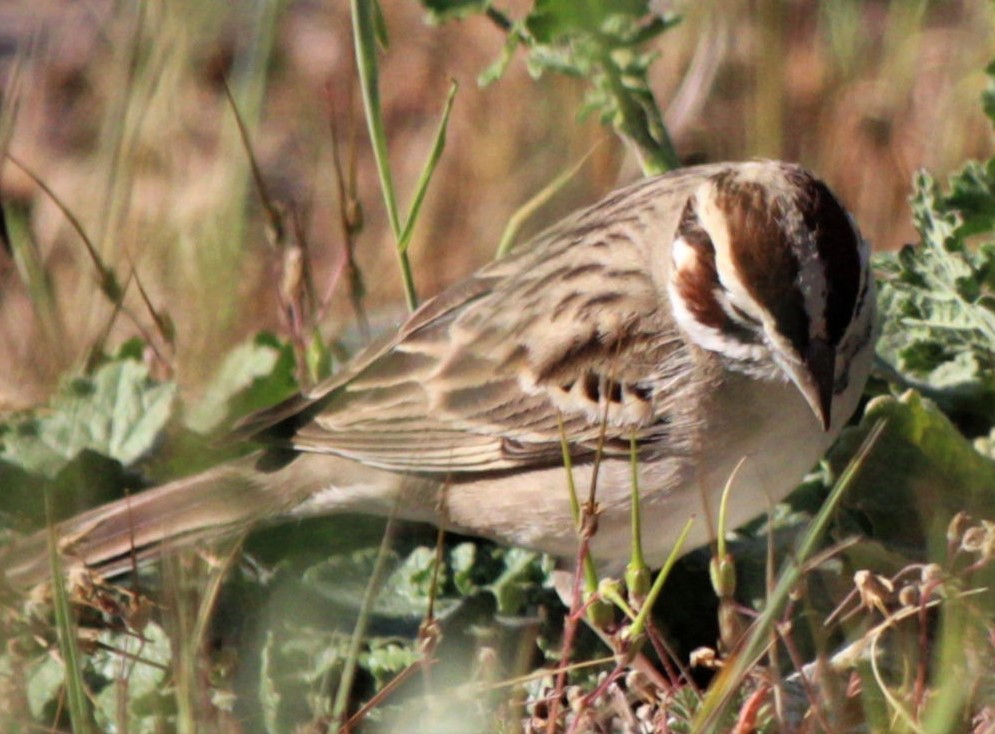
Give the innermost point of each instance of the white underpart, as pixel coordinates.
(359, 497)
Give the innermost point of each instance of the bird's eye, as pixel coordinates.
(742, 317)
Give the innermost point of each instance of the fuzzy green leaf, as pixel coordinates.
(43, 685)
(521, 571)
(602, 42)
(299, 669)
(385, 658)
(148, 703)
(253, 375)
(936, 298)
(405, 592)
(496, 70)
(552, 21)
(118, 412)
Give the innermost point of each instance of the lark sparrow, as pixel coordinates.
(718, 313)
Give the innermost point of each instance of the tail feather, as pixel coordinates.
(209, 506)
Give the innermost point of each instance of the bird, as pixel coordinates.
(718, 321)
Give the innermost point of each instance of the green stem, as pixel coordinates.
(364, 36)
(421, 187)
(640, 623)
(590, 573)
(637, 533)
(340, 706)
(77, 702)
(526, 210)
(641, 123)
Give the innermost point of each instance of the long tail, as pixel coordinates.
(219, 502)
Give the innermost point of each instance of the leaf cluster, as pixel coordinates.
(937, 298)
(602, 42)
(98, 437)
(104, 428)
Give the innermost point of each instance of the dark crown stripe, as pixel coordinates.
(769, 272)
(839, 253)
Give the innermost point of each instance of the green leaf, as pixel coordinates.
(421, 188)
(552, 20)
(44, 684)
(404, 594)
(148, 702)
(521, 570)
(318, 357)
(133, 348)
(385, 658)
(936, 298)
(972, 196)
(462, 559)
(300, 667)
(253, 375)
(602, 42)
(380, 26)
(496, 70)
(118, 412)
(920, 474)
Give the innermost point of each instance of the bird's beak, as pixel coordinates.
(816, 382)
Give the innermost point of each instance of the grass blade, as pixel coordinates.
(340, 707)
(723, 689)
(31, 270)
(365, 39)
(77, 702)
(639, 624)
(428, 170)
(106, 277)
(516, 220)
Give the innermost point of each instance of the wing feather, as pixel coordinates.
(480, 379)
